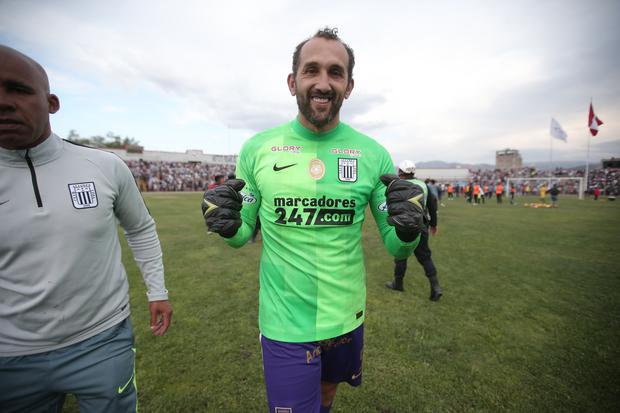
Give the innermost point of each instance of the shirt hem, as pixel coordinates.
(83, 336)
(324, 335)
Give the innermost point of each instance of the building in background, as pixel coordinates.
(507, 159)
(611, 163)
(190, 155)
(443, 175)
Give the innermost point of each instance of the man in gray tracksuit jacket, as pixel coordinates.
(64, 296)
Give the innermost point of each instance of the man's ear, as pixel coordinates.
(290, 81)
(53, 103)
(349, 89)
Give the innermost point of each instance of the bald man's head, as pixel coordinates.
(25, 101)
(36, 67)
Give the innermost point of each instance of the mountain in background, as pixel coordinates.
(483, 166)
(451, 165)
(563, 164)
(598, 152)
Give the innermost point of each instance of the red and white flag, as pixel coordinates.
(593, 121)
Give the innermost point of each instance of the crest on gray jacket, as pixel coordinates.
(83, 195)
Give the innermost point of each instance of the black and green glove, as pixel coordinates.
(221, 206)
(405, 203)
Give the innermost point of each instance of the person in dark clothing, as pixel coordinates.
(554, 196)
(406, 170)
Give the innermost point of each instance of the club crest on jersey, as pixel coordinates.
(347, 169)
(316, 168)
(83, 195)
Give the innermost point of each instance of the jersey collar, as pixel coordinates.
(319, 136)
(45, 152)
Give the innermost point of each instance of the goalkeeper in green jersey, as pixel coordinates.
(310, 181)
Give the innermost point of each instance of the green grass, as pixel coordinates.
(529, 321)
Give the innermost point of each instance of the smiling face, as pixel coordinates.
(321, 83)
(25, 101)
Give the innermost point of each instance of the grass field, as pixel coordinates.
(529, 321)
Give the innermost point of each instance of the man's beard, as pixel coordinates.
(319, 119)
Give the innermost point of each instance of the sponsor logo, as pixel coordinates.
(4, 202)
(416, 200)
(382, 206)
(312, 355)
(332, 343)
(347, 170)
(355, 376)
(279, 168)
(248, 198)
(131, 378)
(316, 169)
(314, 211)
(287, 148)
(350, 152)
(83, 195)
(334, 217)
(122, 389)
(208, 207)
(314, 202)
(315, 216)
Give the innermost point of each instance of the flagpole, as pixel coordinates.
(587, 164)
(550, 158)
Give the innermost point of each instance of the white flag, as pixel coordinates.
(556, 130)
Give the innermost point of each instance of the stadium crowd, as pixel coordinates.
(605, 179)
(155, 176)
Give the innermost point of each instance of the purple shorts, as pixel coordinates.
(294, 371)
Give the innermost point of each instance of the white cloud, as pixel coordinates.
(440, 80)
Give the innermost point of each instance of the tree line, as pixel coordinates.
(110, 140)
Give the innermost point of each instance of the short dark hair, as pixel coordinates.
(329, 33)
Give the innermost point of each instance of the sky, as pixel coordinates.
(434, 80)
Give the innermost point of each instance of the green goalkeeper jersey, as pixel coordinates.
(311, 191)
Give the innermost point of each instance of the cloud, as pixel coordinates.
(447, 80)
(608, 149)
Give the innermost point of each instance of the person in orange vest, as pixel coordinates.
(487, 192)
(476, 193)
(450, 191)
(499, 191)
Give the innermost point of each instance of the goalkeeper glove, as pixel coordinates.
(221, 206)
(405, 203)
